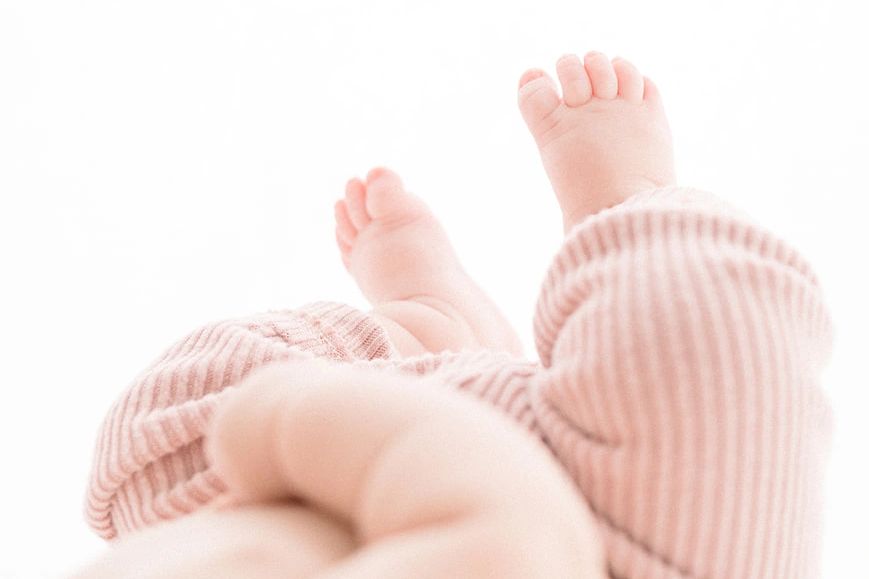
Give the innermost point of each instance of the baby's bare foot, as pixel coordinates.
(607, 139)
(401, 259)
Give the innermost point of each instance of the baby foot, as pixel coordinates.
(607, 139)
(403, 263)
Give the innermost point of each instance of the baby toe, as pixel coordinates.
(344, 227)
(538, 100)
(355, 198)
(629, 79)
(605, 84)
(575, 84)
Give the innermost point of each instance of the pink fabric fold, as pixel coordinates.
(680, 345)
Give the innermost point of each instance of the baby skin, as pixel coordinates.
(605, 138)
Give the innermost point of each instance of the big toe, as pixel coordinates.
(387, 198)
(538, 99)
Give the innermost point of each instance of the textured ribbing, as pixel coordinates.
(149, 462)
(496, 378)
(681, 346)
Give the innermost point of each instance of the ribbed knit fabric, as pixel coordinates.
(150, 463)
(680, 347)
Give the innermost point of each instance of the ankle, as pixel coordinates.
(423, 324)
(404, 342)
(611, 198)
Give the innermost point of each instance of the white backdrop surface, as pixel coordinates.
(165, 164)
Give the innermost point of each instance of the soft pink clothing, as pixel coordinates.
(680, 347)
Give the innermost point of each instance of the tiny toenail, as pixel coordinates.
(529, 76)
(375, 174)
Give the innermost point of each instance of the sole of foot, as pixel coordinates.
(403, 262)
(605, 138)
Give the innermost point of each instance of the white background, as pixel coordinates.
(168, 163)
